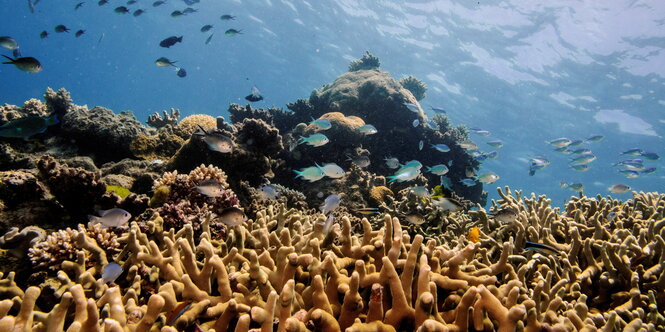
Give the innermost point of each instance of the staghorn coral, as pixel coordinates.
(169, 118)
(415, 86)
(367, 62)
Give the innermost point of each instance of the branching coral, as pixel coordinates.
(367, 62)
(416, 86)
(169, 118)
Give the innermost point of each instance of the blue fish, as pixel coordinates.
(438, 110)
(27, 126)
(468, 182)
(441, 147)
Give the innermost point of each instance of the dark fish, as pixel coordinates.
(227, 17)
(232, 32)
(209, 38)
(102, 2)
(138, 12)
(189, 10)
(541, 248)
(131, 2)
(16, 53)
(191, 2)
(121, 10)
(210, 188)
(255, 95)
(43, 35)
(164, 62)
(31, 6)
(206, 28)
(176, 13)
(79, 33)
(506, 215)
(61, 28)
(28, 64)
(79, 5)
(158, 3)
(27, 127)
(168, 42)
(181, 72)
(8, 43)
(232, 216)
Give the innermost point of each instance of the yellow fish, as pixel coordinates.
(474, 235)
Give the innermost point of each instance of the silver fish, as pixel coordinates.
(111, 272)
(210, 188)
(110, 218)
(232, 216)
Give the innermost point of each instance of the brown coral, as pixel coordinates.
(190, 125)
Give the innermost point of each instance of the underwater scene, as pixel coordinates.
(292, 165)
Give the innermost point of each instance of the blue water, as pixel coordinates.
(528, 71)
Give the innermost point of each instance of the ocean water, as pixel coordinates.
(527, 71)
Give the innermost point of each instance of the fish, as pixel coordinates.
(227, 17)
(412, 107)
(181, 72)
(320, 124)
(367, 129)
(210, 188)
(206, 28)
(232, 32)
(575, 142)
(191, 2)
(580, 167)
(311, 174)
(79, 33)
(482, 132)
(158, 3)
(630, 173)
(269, 192)
(595, 138)
(367, 211)
(360, 161)
(415, 218)
(29, 65)
(31, 6)
(164, 62)
(131, 2)
(584, 159)
(633, 152)
(611, 216)
(581, 151)
(332, 170)
(495, 144)
(447, 204)
(216, 141)
(474, 235)
(563, 150)
(43, 34)
(255, 95)
(209, 38)
(649, 170)
(488, 177)
(575, 186)
(189, 10)
(110, 218)
(27, 126)
(439, 169)
(102, 2)
(633, 162)
(492, 154)
(8, 43)
(431, 124)
(111, 272)
(633, 167)
(315, 140)
(392, 163)
(650, 155)
(446, 182)
(411, 164)
(420, 191)
(618, 188)
(441, 147)
(328, 225)
(541, 248)
(421, 145)
(468, 182)
(170, 41)
(403, 175)
(438, 110)
(176, 13)
(559, 142)
(415, 123)
(468, 145)
(330, 204)
(505, 215)
(61, 28)
(138, 12)
(178, 311)
(232, 216)
(121, 10)
(537, 163)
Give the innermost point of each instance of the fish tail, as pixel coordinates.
(301, 140)
(299, 174)
(391, 178)
(8, 58)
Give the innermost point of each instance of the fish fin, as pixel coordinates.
(11, 61)
(299, 173)
(102, 212)
(200, 127)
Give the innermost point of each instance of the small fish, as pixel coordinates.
(315, 140)
(584, 159)
(110, 218)
(649, 170)
(412, 107)
(178, 311)
(269, 192)
(255, 95)
(468, 182)
(210, 188)
(232, 216)
(581, 151)
(29, 65)
(189, 10)
(420, 191)
(611, 216)
(633, 152)
(320, 124)
(403, 175)
(138, 12)
(216, 141)
(176, 13)
(580, 167)
(170, 41)
(541, 248)
(492, 154)
(181, 72)
(415, 123)
(576, 142)
(411, 164)
(328, 225)
(158, 3)
(438, 110)
(415, 218)
(102, 2)
(630, 173)
(421, 145)
(111, 272)
(633, 167)
(634, 162)
(468, 145)
(206, 28)
(191, 2)
(618, 188)
(332, 170)
(650, 155)
(367, 211)
(61, 28)
(537, 163)
(576, 186)
(311, 174)
(164, 62)
(79, 33)
(360, 161)
(595, 138)
(8, 43)
(506, 215)
(441, 147)
(448, 204)
(440, 169)
(131, 2)
(563, 150)
(367, 129)
(482, 132)
(474, 235)
(121, 10)
(227, 17)
(43, 34)
(446, 182)
(488, 177)
(27, 126)
(209, 38)
(392, 163)
(495, 144)
(559, 142)
(232, 32)
(330, 204)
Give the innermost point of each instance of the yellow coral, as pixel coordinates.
(160, 196)
(379, 193)
(162, 145)
(190, 125)
(474, 235)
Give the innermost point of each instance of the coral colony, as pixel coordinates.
(201, 224)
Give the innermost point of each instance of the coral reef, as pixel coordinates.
(190, 125)
(367, 62)
(417, 87)
(31, 107)
(161, 146)
(169, 118)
